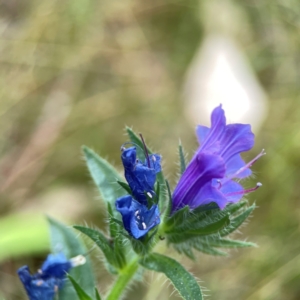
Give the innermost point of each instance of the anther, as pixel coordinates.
(39, 283)
(149, 194)
(136, 213)
(153, 158)
(123, 148)
(78, 260)
(144, 225)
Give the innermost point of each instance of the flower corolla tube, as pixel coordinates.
(213, 172)
(138, 216)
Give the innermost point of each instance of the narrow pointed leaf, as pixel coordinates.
(101, 241)
(209, 250)
(64, 239)
(226, 243)
(98, 297)
(125, 186)
(181, 159)
(236, 222)
(82, 295)
(113, 226)
(182, 280)
(104, 175)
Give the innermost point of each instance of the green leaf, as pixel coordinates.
(182, 280)
(181, 159)
(104, 175)
(236, 222)
(82, 295)
(102, 242)
(64, 239)
(97, 294)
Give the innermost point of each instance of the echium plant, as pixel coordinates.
(204, 208)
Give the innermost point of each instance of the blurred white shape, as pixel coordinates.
(220, 74)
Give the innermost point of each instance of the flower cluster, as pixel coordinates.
(50, 278)
(212, 174)
(138, 217)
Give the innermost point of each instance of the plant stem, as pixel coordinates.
(122, 281)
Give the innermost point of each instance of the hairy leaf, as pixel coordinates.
(182, 280)
(104, 175)
(64, 239)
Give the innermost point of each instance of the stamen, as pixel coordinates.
(146, 151)
(149, 195)
(123, 148)
(245, 191)
(144, 225)
(245, 167)
(154, 158)
(136, 213)
(40, 271)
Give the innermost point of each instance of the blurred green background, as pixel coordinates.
(76, 72)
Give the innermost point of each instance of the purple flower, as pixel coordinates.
(50, 278)
(212, 173)
(137, 217)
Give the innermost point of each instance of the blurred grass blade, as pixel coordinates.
(23, 234)
(182, 280)
(64, 239)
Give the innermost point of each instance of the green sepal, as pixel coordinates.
(235, 207)
(197, 230)
(135, 139)
(181, 279)
(125, 186)
(236, 222)
(104, 244)
(104, 175)
(177, 219)
(64, 239)
(182, 159)
(113, 226)
(168, 207)
(82, 295)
